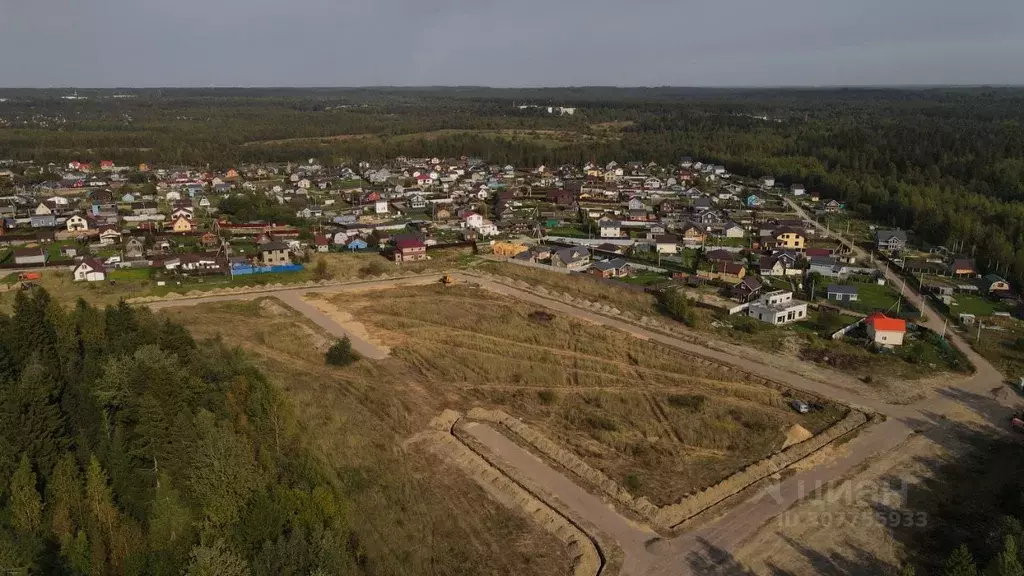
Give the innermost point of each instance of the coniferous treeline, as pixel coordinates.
(128, 448)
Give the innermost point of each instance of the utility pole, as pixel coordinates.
(980, 322)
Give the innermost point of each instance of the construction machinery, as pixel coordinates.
(447, 280)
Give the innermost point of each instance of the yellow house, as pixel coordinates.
(789, 239)
(181, 225)
(508, 249)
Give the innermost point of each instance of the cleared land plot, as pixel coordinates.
(977, 305)
(411, 511)
(660, 422)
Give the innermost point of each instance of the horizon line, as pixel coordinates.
(526, 87)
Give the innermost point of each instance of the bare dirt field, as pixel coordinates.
(415, 512)
(653, 419)
(848, 529)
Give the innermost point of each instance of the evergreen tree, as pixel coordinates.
(1007, 562)
(31, 420)
(960, 563)
(216, 560)
(78, 557)
(64, 500)
(341, 353)
(25, 505)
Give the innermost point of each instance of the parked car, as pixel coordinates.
(800, 406)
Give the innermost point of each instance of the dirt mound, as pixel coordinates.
(270, 307)
(1001, 393)
(796, 435)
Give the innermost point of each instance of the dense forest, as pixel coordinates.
(947, 163)
(128, 448)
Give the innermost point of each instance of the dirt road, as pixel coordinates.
(705, 549)
(293, 298)
(986, 376)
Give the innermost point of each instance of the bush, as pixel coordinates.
(341, 353)
(547, 397)
(689, 401)
(372, 269)
(320, 270)
(632, 483)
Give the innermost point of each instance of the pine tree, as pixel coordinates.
(216, 560)
(64, 500)
(77, 554)
(25, 505)
(170, 529)
(960, 563)
(31, 420)
(101, 515)
(1007, 562)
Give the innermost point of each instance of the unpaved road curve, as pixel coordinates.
(293, 298)
(680, 555)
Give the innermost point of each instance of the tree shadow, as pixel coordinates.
(711, 559)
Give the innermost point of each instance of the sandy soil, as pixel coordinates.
(795, 435)
(846, 530)
(344, 319)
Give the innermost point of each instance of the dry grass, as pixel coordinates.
(414, 513)
(653, 418)
(578, 286)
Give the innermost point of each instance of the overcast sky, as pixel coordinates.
(107, 43)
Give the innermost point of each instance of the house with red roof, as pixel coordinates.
(409, 250)
(106, 164)
(884, 330)
(321, 242)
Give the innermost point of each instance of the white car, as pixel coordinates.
(113, 260)
(800, 406)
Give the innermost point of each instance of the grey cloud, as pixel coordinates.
(522, 43)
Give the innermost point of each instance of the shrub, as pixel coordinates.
(320, 270)
(547, 397)
(341, 353)
(372, 269)
(689, 401)
(632, 483)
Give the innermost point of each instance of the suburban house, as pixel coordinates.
(963, 267)
(134, 248)
(733, 230)
(356, 244)
(768, 182)
(274, 254)
(831, 206)
(993, 284)
(754, 201)
(409, 250)
(730, 271)
(76, 223)
(789, 238)
(825, 265)
(891, 240)
(747, 289)
(574, 258)
(610, 268)
(181, 225)
(797, 189)
(666, 244)
(693, 234)
(89, 270)
(884, 330)
(610, 228)
(30, 256)
(321, 243)
(771, 266)
(842, 292)
(42, 220)
(778, 308)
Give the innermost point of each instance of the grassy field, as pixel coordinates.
(977, 305)
(647, 416)
(414, 514)
(1002, 343)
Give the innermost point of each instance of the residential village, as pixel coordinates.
(734, 244)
